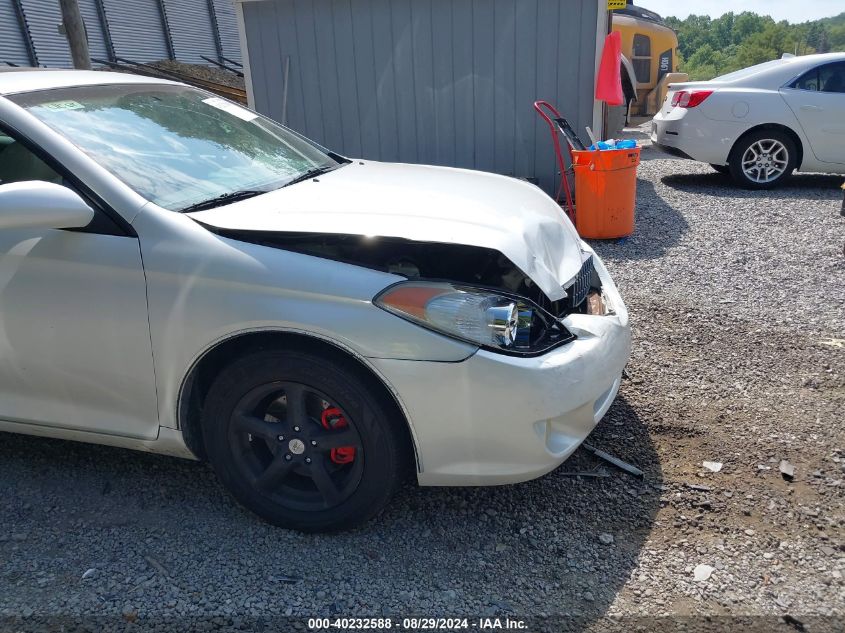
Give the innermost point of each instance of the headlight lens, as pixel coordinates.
(479, 316)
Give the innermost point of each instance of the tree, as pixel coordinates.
(710, 47)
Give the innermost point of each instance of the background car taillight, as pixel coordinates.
(690, 98)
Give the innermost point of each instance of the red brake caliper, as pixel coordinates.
(332, 419)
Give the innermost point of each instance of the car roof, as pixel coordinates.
(812, 60)
(808, 61)
(15, 80)
(776, 72)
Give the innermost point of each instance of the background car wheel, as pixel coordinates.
(763, 159)
(303, 441)
(722, 169)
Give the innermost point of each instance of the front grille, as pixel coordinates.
(580, 288)
(576, 293)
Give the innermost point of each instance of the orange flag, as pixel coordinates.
(609, 80)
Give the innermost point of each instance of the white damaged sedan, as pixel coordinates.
(179, 274)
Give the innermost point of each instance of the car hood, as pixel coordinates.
(426, 204)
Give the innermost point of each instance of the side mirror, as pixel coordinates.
(42, 205)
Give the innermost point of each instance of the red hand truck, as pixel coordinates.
(558, 125)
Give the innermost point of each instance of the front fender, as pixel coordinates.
(203, 288)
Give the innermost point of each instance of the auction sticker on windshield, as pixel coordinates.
(63, 105)
(231, 108)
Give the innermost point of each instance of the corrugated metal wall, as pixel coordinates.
(448, 82)
(136, 29)
(12, 43)
(97, 46)
(43, 17)
(191, 29)
(227, 23)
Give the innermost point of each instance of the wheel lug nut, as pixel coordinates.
(296, 428)
(307, 460)
(281, 438)
(288, 457)
(313, 442)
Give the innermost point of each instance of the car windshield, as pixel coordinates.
(178, 147)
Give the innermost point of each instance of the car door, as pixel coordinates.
(75, 348)
(817, 99)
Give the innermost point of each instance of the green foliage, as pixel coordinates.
(710, 47)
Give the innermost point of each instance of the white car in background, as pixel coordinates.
(761, 123)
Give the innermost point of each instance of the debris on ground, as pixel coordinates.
(699, 487)
(202, 71)
(787, 470)
(702, 572)
(628, 468)
(713, 467)
(155, 564)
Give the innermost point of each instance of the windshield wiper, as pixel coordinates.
(312, 173)
(225, 198)
(243, 194)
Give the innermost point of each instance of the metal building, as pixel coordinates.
(140, 30)
(447, 82)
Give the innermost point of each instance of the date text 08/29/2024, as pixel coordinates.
(417, 624)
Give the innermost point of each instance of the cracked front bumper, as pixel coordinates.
(495, 419)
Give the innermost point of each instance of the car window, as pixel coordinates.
(17, 164)
(808, 81)
(832, 78)
(176, 146)
(828, 78)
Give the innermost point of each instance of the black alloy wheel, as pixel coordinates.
(281, 446)
(305, 440)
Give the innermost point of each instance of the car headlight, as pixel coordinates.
(493, 320)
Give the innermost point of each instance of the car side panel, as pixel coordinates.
(708, 132)
(822, 119)
(700, 138)
(74, 337)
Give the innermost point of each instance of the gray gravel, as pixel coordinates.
(738, 305)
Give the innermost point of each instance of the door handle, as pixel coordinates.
(811, 108)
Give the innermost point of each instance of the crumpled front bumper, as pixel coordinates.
(495, 419)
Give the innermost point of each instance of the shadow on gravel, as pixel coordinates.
(659, 226)
(165, 538)
(799, 186)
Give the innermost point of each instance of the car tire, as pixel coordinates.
(286, 463)
(722, 169)
(763, 159)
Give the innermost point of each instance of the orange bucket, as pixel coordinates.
(605, 192)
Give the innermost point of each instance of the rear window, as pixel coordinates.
(751, 70)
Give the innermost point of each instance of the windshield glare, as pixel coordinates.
(174, 145)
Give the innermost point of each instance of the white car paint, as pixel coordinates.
(759, 96)
(512, 217)
(99, 332)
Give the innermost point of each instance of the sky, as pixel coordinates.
(791, 10)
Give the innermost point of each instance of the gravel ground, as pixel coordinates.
(738, 308)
